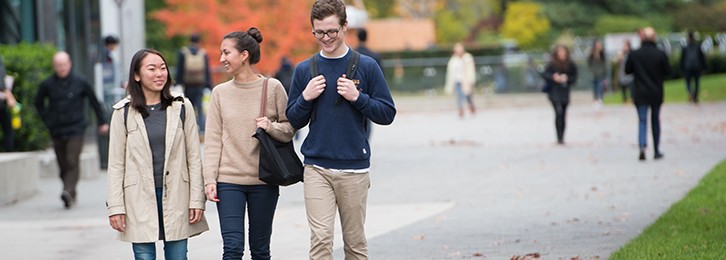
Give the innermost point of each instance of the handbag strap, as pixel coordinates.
(264, 98)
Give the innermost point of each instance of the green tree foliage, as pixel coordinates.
(619, 23)
(704, 18)
(459, 20)
(155, 33)
(380, 8)
(581, 16)
(30, 64)
(525, 23)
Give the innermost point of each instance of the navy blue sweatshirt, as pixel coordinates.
(338, 137)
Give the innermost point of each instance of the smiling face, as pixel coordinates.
(152, 74)
(332, 46)
(230, 57)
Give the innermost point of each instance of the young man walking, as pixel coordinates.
(336, 106)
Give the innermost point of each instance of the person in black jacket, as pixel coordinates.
(60, 102)
(693, 62)
(560, 74)
(649, 66)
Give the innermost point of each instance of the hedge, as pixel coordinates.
(29, 64)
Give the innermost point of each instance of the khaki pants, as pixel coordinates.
(327, 191)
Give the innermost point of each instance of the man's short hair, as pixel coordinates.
(110, 40)
(324, 8)
(362, 35)
(195, 38)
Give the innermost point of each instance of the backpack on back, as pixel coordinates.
(691, 63)
(194, 68)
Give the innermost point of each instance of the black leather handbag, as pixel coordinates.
(279, 163)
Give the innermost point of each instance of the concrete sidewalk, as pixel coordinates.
(493, 185)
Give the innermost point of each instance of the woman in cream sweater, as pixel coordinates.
(231, 154)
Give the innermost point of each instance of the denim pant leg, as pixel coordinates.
(642, 125)
(231, 209)
(144, 251)
(176, 250)
(261, 205)
(460, 96)
(597, 88)
(655, 125)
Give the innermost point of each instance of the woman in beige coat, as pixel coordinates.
(461, 77)
(155, 185)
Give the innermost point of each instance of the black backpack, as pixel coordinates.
(692, 61)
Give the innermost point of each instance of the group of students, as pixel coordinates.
(158, 183)
(643, 72)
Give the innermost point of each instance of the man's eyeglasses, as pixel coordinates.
(330, 33)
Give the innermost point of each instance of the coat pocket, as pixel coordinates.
(130, 180)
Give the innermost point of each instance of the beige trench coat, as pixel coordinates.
(131, 180)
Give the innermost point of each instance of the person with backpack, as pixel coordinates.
(693, 63)
(194, 75)
(155, 186)
(333, 93)
(232, 155)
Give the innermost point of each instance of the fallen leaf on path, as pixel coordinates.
(530, 256)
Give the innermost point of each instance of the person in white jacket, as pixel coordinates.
(461, 77)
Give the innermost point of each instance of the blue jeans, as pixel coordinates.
(261, 201)
(597, 88)
(643, 124)
(461, 97)
(195, 94)
(172, 249)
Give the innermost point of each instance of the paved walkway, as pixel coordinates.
(493, 185)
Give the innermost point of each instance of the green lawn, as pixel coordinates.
(693, 228)
(713, 88)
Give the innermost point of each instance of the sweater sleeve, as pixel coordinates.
(212, 140)
(280, 130)
(91, 95)
(298, 109)
(377, 105)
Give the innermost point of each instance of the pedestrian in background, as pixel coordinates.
(625, 80)
(598, 70)
(649, 66)
(7, 101)
(61, 101)
(560, 74)
(693, 63)
(155, 190)
(284, 73)
(335, 106)
(231, 155)
(461, 77)
(193, 73)
(364, 50)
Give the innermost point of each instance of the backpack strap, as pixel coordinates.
(352, 68)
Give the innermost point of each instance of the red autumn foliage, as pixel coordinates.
(285, 26)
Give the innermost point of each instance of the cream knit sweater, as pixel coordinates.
(231, 154)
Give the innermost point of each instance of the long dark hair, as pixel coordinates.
(138, 100)
(249, 41)
(563, 65)
(600, 53)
